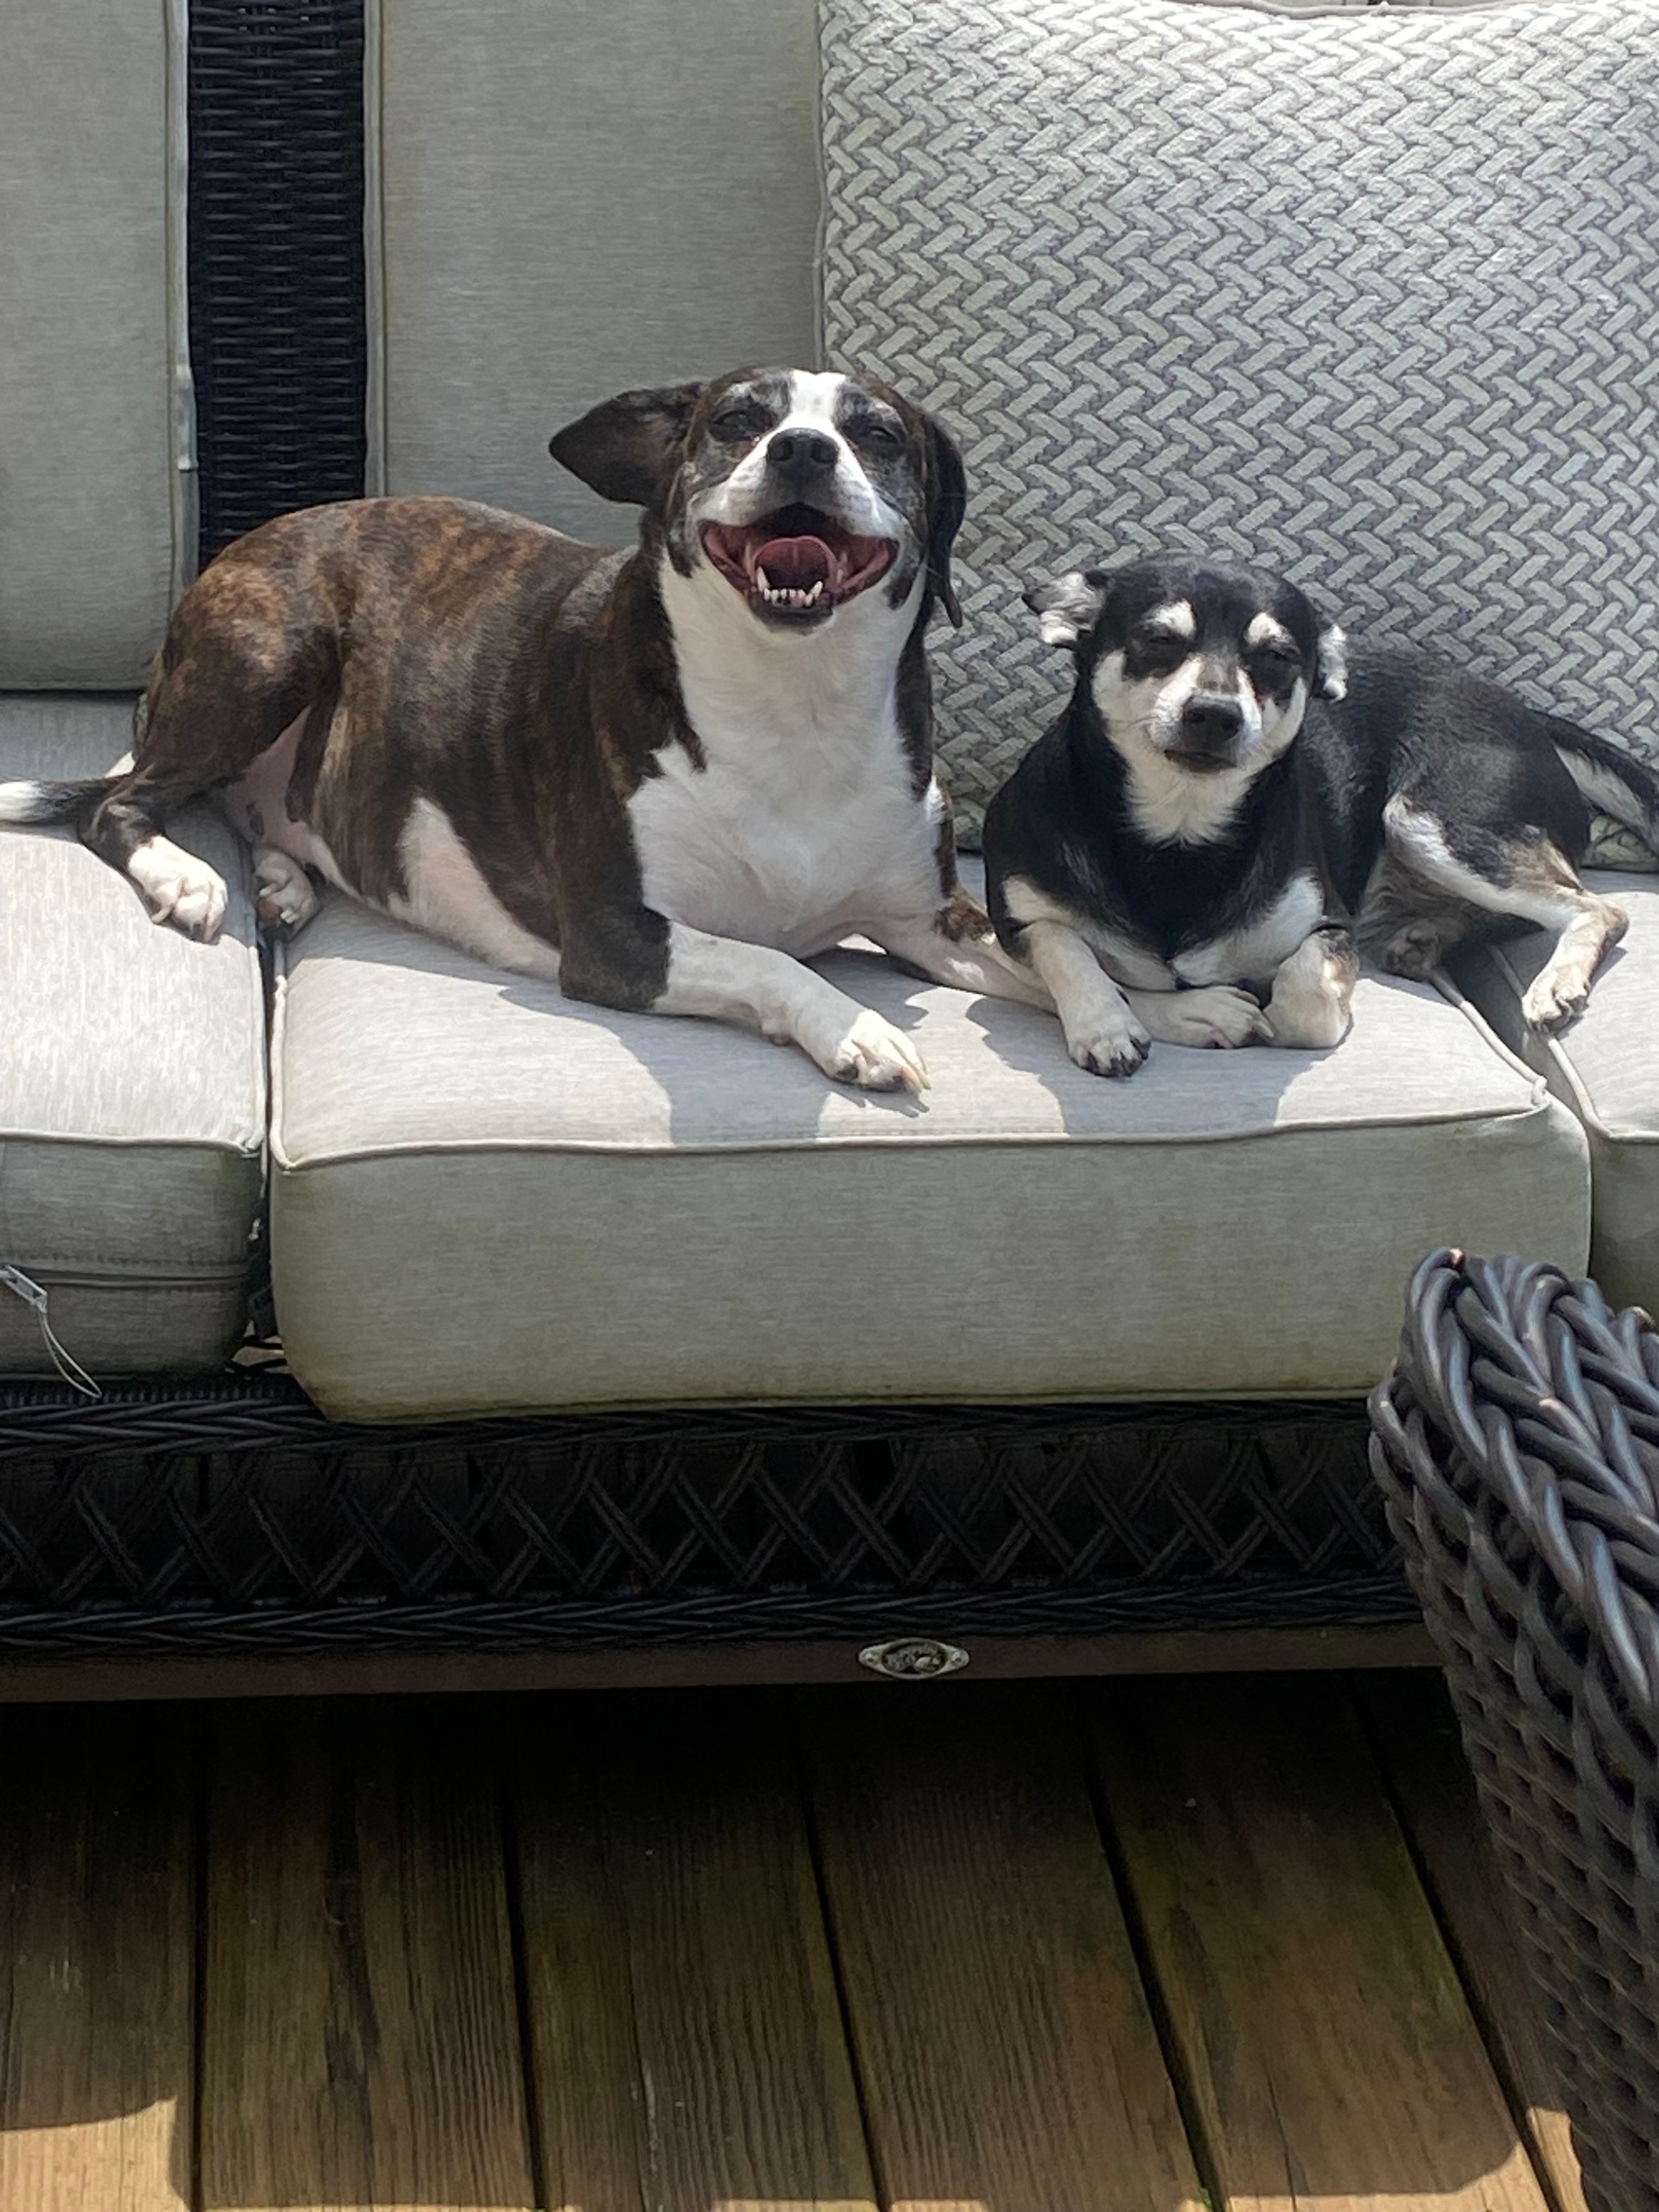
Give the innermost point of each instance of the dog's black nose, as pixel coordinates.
(802, 453)
(1210, 722)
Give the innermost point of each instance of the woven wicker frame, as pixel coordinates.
(276, 257)
(1517, 1444)
(232, 1517)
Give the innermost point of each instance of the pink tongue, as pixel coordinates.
(796, 563)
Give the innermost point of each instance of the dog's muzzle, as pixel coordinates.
(1206, 736)
(797, 565)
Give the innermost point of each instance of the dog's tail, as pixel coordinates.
(50, 802)
(1612, 781)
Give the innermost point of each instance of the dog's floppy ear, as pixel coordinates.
(1068, 609)
(947, 502)
(627, 448)
(1331, 663)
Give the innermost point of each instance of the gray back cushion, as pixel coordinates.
(577, 199)
(94, 527)
(1370, 295)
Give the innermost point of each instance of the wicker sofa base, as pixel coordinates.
(230, 1518)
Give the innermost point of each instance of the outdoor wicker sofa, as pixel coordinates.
(609, 1344)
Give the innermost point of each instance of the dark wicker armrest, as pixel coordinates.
(1517, 1445)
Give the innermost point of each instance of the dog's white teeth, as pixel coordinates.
(816, 593)
(762, 581)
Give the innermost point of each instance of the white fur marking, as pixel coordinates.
(1331, 661)
(1256, 951)
(803, 825)
(1173, 805)
(285, 899)
(1131, 964)
(1102, 1032)
(753, 983)
(1584, 924)
(448, 897)
(180, 888)
(23, 801)
(1265, 631)
(1309, 1009)
(1175, 620)
(745, 495)
(1608, 794)
(1419, 841)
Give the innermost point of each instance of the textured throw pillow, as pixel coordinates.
(1372, 296)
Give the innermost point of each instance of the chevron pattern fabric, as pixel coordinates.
(1372, 296)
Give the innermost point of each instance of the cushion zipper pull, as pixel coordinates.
(33, 1295)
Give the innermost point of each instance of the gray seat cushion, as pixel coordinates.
(576, 200)
(486, 1198)
(1606, 1067)
(97, 514)
(132, 1091)
(1366, 293)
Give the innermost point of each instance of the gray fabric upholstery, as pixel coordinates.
(93, 519)
(1606, 1067)
(132, 1089)
(578, 199)
(1368, 293)
(485, 1197)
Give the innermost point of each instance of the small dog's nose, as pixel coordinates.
(1210, 722)
(802, 453)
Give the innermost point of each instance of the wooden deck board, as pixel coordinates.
(686, 2036)
(812, 1951)
(1329, 2050)
(361, 2043)
(1008, 2057)
(96, 1962)
(1417, 1739)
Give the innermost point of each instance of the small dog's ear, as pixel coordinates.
(1331, 663)
(627, 448)
(1068, 609)
(947, 502)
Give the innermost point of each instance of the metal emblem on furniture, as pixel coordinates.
(913, 1658)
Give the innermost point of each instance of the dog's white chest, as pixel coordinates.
(781, 841)
(800, 825)
(1252, 954)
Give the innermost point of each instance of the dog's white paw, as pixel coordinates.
(878, 1057)
(1217, 1018)
(181, 889)
(286, 898)
(1111, 1046)
(1556, 997)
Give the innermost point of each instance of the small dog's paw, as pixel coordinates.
(1554, 999)
(1110, 1048)
(1413, 951)
(1217, 1018)
(287, 897)
(878, 1057)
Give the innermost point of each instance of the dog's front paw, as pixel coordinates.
(878, 1057)
(1110, 1047)
(286, 897)
(1217, 1018)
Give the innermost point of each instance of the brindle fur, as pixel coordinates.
(523, 683)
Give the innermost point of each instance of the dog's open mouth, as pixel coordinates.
(797, 563)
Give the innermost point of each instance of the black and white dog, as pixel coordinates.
(1235, 803)
(665, 776)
